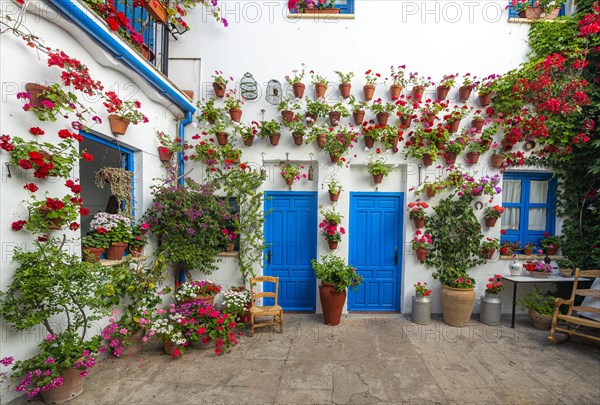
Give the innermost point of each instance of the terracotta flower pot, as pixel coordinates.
(156, 10)
(274, 139)
(507, 144)
(71, 387)
(430, 192)
(54, 224)
(345, 89)
(136, 251)
(477, 123)
(91, 254)
(320, 89)
(440, 145)
(486, 144)
(422, 254)
(487, 253)
(299, 89)
(377, 178)
(394, 141)
(164, 155)
(334, 197)
(442, 92)
(219, 90)
(148, 53)
(235, 114)
(249, 141)
(419, 222)
(313, 118)
(321, 140)
(298, 140)
(368, 91)
(334, 158)
(551, 251)
(497, 160)
(453, 126)
(473, 157)
(230, 247)
(332, 302)
(359, 117)
(289, 182)
(326, 11)
(490, 222)
(406, 122)
(334, 118)
(382, 118)
(417, 92)
(528, 251)
(34, 91)
(450, 158)
(430, 118)
(118, 125)
(427, 160)
(332, 245)
(395, 91)
(369, 141)
(485, 99)
(535, 13)
(287, 116)
(133, 346)
(457, 305)
(116, 250)
(539, 321)
(222, 138)
(464, 92)
(169, 347)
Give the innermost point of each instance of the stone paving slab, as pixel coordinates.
(368, 359)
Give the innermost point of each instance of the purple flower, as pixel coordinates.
(7, 361)
(47, 104)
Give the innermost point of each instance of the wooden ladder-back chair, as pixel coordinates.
(569, 324)
(274, 311)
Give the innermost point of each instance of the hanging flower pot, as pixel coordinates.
(222, 138)
(507, 144)
(274, 139)
(156, 9)
(334, 158)
(486, 144)
(313, 118)
(419, 222)
(219, 90)
(334, 118)
(422, 254)
(164, 154)
(230, 247)
(298, 89)
(377, 178)
(333, 197)
(395, 91)
(442, 92)
(382, 118)
(118, 125)
(332, 302)
(464, 92)
(320, 89)
(490, 222)
(417, 92)
(369, 141)
(485, 99)
(406, 122)
(453, 126)
(477, 123)
(91, 254)
(430, 191)
(249, 141)
(359, 117)
(289, 182)
(427, 160)
(54, 224)
(497, 160)
(71, 387)
(368, 91)
(136, 251)
(34, 91)
(430, 118)
(332, 245)
(287, 116)
(450, 158)
(394, 141)
(345, 89)
(473, 157)
(487, 253)
(235, 114)
(321, 140)
(478, 192)
(116, 250)
(297, 138)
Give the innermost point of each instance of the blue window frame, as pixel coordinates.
(513, 14)
(345, 6)
(140, 20)
(529, 200)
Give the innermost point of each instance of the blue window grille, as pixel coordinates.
(140, 20)
(529, 200)
(513, 14)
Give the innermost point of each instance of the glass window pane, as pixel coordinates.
(511, 191)
(511, 218)
(537, 219)
(538, 191)
(341, 2)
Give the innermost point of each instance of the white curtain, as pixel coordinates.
(511, 193)
(538, 194)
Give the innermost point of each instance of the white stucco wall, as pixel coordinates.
(431, 37)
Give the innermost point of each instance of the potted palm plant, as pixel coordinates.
(336, 277)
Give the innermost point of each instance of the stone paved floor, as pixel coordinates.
(368, 359)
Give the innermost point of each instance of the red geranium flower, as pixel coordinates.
(18, 225)
(31, 187)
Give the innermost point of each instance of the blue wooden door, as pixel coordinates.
(291, 231)
(376, 250)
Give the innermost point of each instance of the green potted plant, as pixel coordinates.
(566, 266)
(139, 239)
(398, 81)
(272, 130)
(475, 148)
(528, 248)
(406, 111)
(209, 112)
(453, 149)
(421, 243)
(331, 232)
(419, 84)
(296, 81)
(236, 303)
(230, 154)
(93, 246)
(345, 85)
(369, 89)
(320, 83)
(286, 107)
(291, 172)
(234, 104)
(485, 89)
(248, 132)
(382, 111)
(447, 83)
(491, 302)
(298, 130)
(540, 306)
(169, 327)
(336, 112)
(51, 214)
(220, 131)
(338, 143)
(320, 134)
(220, 83)
(378, 167)
(492, 214)
(416, 212)
(550, 243)
(421, 303)
(541, 9)
(117, 229)
(336, 276)
(335, 188)
(122, 113)
(168, 146)
(315, 109)
(468, 83)
(358, 109)
(204, 290)
(489, 247)
(454, 116)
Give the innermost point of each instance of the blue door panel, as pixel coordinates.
(375, 237)
(290, 229)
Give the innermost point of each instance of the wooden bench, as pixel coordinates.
(569, 324)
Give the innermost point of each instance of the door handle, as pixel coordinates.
(396, 257)
(269, 257)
